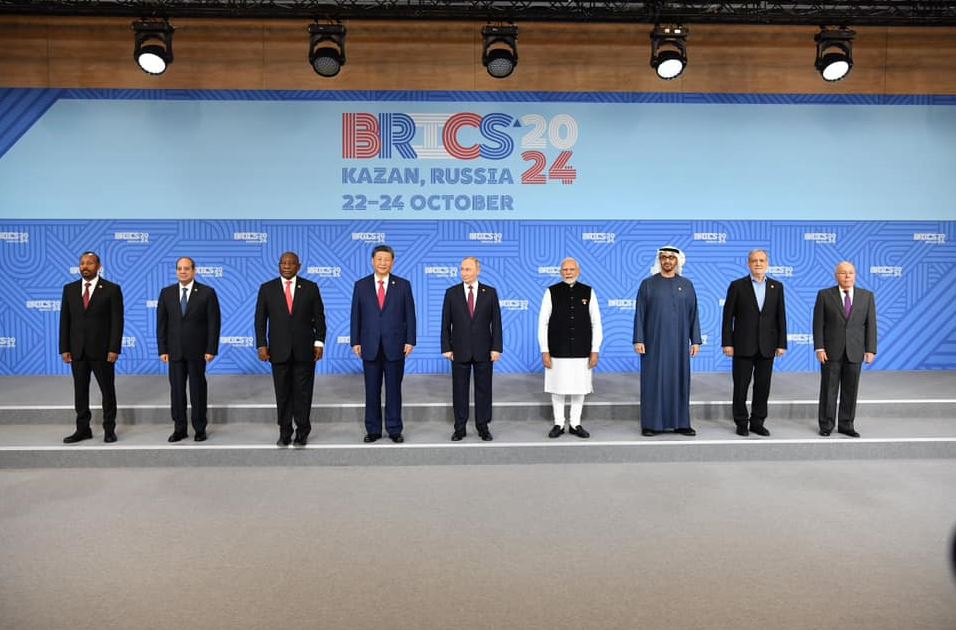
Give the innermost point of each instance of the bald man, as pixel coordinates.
(844, 336)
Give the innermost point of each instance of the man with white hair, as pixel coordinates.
(666, 335)
(754, 331)
(569, 335)
(844, 336)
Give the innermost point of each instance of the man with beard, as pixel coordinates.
(91, 337)
(569, 335)
(665, 323)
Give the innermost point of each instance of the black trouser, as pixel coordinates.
(293, 382)
(461, 390)
(105, 376)
(760, 369)
(193, 370)
(838, 377)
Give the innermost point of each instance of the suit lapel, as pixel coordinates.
(749, 288)
(191, 299)
(838, 301)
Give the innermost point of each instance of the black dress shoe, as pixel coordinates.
(649, 432)
(825, 432)
(555, 431)
(201, 437)
(742, 431)
(457, 436)
(849, 433)
(284, 440)
(579, 431)
(760, 431)
(300, 441)
(78, 436)
(175, 437)
(685, 431)
(371, 437)
(485, 436)
(109, 437)
(398, 439)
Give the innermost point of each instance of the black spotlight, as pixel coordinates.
(153, 48)
(327, 48)
(500, 54)
(834, 52)
(669, 51)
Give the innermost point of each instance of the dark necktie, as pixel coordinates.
(183, 301)
(471, 301)
(86, 296)
(847, 305)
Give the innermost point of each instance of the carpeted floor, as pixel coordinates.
(781, 545)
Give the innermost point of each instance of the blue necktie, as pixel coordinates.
(183, 302)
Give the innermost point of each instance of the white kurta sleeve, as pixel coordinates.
(544, 316)
(597, 331)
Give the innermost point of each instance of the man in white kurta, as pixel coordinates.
(569, 335)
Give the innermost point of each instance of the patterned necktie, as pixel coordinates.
(381, 295)
(288, 295)
(183, 301)
(86, 296)
(471, 301)
(847, 305)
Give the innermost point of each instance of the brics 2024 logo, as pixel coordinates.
(463, 136)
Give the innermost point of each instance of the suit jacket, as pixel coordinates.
(189, 336)
(392, 327)
(97, 330)
(471, 339)
(748, 329)
(290, 337)
(835, 333)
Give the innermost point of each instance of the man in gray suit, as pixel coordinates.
(844, 336)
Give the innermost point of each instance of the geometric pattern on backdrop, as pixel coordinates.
(911, 267)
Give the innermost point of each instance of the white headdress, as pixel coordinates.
(669, 249)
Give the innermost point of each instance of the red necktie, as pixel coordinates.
(288, 295)
(86, 296)
(471, 301)
(381, 295)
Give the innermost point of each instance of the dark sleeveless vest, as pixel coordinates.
(569, 329)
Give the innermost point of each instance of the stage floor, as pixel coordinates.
(900, 415)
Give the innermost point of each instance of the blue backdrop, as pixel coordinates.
(519, 180)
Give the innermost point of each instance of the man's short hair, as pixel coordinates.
(192, 263)
(756, 251)
(383, 248)
(90, 253)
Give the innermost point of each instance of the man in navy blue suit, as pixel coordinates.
(383, 334)
(471, 340)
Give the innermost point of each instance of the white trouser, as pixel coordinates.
(577, 404)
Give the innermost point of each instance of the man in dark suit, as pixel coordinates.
(383, 334)
(844, 336)
(91, 337)
(290, 332)
(754, 331)
(471, 340)
(187, 333)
